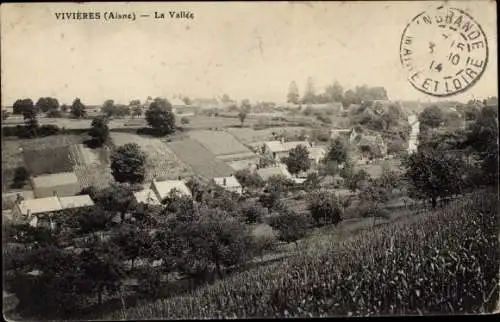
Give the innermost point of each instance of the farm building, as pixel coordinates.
(280, 149)
(76, 201)
(34, 209)
(266, 173)
(316, 154)
(229, 183)
(62, 184)
(343, 133)
(163, 188)
(147, 196)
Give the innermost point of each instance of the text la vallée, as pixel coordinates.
(112, 15)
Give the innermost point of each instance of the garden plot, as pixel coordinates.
(201, 160)
(219, 142)
(161, 162)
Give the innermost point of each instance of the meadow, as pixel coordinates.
(442, 261)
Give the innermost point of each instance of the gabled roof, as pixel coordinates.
(56, 179)
(231, 182)
(76, 201)
(266, 173)
(41, 205)
(146, 196)
(163, 188)
(278, 146)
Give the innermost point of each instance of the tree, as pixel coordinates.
(334, 92)
(160, 116)
(431, 117)
(349, 98)
(312, 182)
(117, 198)
(290, 225)
(109, 108)
(54, 113)
(357, 180)
(248, 179)
(337, 151)
(434, 174)
(134, 243)
(187, 100)
(309, 93)
(253, 212)
(78, 109)
(46, 104)
(242, 115)
(325, 208)
(22, 105)
(99, 130)
(103, 268)
(30, 118)
(21, 175)
(293, 93)
(64, 108)
(127, 163)
(298, 160)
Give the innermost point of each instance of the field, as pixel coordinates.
(202, 161)
(438, 262)
(40, 155)
(161, 162)
(248, 135)
(219, 142)
(91, 166)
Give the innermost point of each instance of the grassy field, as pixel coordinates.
(219, 142)
(201, 160)
(161, 162)
(444, 261)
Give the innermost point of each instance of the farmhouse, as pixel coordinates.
(163, 188)
(266, 173)
(350, 134)
(229, 183)
(32, 209)
(61, 184)
(147, 196)
(316, 154)
(280, 149)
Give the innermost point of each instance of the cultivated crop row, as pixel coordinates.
(437, 262)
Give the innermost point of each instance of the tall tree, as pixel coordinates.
(127, 163)
(337, 151)
(22, 105)
(298, 160)
(78, 109)
(431, 117)
(99, 130)
(160, 116)
(46, 104)
(434, 174)
(335, 92)
(310, 92)
(291, 226)
(242, 115)
(109, 108)
(293, 93)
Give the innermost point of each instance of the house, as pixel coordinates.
(62, 184)
(34, 209)
(266, 173)
(280, 149)
(229, 184)
(316, 154)
(146, 196)
(163, 188)
(76, 201)
(349, 134)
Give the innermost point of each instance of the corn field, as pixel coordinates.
(444, 261)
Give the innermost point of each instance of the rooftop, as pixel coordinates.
(146, 196)
(56, 179)
(163, 188)
(231, 182)
(76, 201)
(41, 205)
(278, 146)
(266, 173)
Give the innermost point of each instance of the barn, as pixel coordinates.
(61, 184)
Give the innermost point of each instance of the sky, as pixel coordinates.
(247, 50)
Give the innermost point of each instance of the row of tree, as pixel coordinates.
(334, 93)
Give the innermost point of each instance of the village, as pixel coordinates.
(213, 150)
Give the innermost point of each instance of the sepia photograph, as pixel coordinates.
(236, 160)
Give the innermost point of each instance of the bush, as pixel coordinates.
(253, 212)
(48, 130)
(184, 120)
(325, 208)
(54, 113)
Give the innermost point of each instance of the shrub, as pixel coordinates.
(325, 208)
(184, 120)
(53, 113)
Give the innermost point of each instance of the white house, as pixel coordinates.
(61, 184)
(229, 184)
(266, 173)
(163, 188)
(147, 196)
(316, 154)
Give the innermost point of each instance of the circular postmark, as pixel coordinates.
(444, 51)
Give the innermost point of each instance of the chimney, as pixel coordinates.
(224, 181)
